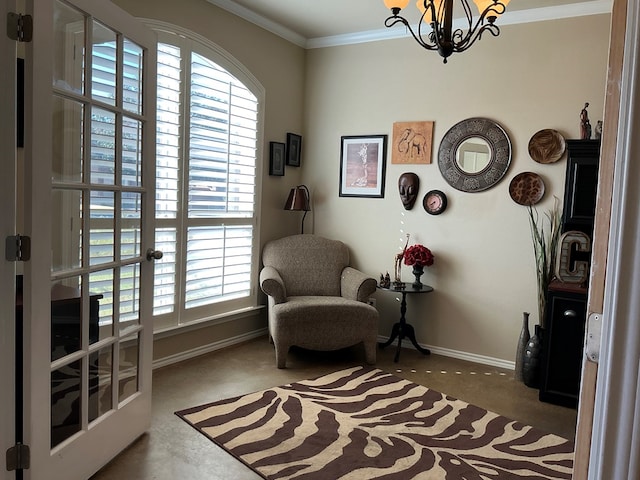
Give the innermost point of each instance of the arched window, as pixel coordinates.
(207, 176)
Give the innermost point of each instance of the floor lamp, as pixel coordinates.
(298, 200)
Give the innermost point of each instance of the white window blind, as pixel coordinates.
(109, 197)
(205, 186)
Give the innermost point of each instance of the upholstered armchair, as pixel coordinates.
(316, 300)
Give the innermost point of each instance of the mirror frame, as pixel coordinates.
(499, 144)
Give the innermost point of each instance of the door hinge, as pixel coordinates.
(594, 335)
(19, 27)
(18, 457)
(17, 248)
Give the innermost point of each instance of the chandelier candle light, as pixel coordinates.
(438, 14)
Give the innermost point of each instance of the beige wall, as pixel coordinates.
(533, 76)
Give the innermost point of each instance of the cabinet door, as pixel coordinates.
(581, 185)
(562, 348)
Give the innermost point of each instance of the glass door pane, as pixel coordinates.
(97, 212)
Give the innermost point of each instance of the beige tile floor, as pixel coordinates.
(172, 449)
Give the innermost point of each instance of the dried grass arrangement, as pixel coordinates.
(545, 236)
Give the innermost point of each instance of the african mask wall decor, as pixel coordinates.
(408, 186)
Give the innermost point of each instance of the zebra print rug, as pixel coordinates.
(363, 423)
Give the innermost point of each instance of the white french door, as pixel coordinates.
(7, 229)
(89, 199)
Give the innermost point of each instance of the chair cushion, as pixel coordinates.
(324, 322)
(308, 264)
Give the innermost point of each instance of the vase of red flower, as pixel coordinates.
(418, 257)
(417, 271)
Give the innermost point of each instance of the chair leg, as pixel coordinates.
(370, 352)
(281, 355)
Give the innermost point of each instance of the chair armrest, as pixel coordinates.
(271, 283)
(356, 285)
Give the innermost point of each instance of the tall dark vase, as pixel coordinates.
(531, 363)
(418, 270)
(522, 345)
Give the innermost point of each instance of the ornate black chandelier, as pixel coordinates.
(438, 16)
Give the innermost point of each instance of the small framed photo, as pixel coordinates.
(294, 149)
(276, 158)
(362, 166)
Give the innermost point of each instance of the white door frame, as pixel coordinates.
(7, 227)
(616, 429)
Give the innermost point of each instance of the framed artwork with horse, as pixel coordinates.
(412, 142)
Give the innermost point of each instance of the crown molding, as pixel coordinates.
(261, 21)
(592, 7)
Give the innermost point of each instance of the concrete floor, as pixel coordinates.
(172, 449)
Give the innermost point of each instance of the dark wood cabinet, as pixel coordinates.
(581, 185)
(562, 344)
(566, 309)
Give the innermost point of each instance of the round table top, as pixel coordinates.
(407, 288)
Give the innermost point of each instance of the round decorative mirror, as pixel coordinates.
(474, 154)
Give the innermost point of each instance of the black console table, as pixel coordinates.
(403, 329)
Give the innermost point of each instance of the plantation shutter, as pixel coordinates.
(207, 134)
(105, 207)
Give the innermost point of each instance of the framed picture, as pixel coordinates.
(362, 166)
(412, 142)
(276, 158)
(294, 148)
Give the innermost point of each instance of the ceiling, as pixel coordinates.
(306, 21)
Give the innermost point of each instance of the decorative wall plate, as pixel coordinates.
(547, 146)
(526, 188)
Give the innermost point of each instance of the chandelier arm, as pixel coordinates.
(475, 32)
(493, 29)
(498, 8)
(431, 43)
(395, 19)
(471, 39)
(467, 12)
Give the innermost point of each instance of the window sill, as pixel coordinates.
(207, 322)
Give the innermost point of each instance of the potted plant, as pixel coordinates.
(545, 245)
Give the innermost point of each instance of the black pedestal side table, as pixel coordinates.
(403, 329)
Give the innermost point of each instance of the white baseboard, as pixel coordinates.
(212, 347)
(227, 342)
(469, 357)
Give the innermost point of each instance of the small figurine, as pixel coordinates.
(598, 133)
(398, 264)
(385, 281)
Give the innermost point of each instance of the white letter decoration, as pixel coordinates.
(580, 271)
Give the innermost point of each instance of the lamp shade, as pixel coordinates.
(484, 4)
(400, 4)
(298, 199)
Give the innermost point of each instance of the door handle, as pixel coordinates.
(153, 254)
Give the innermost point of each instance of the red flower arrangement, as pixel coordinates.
(418, 255)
